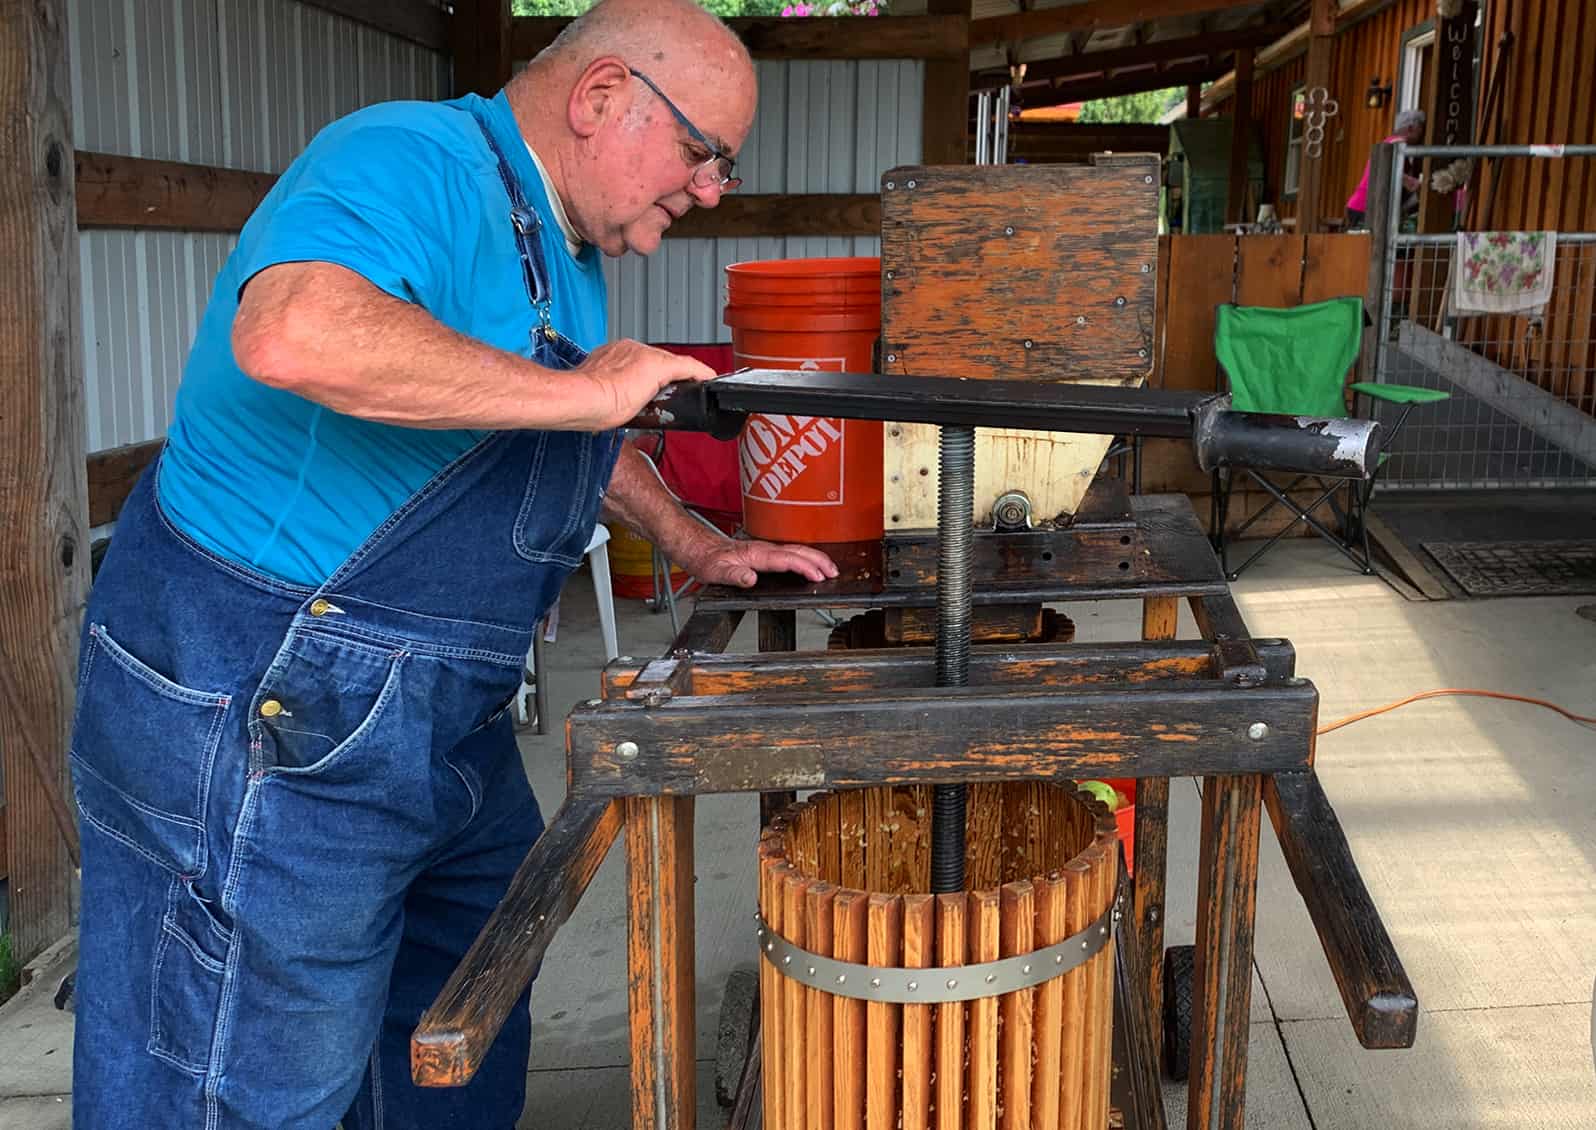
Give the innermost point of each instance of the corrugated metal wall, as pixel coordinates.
(821, 127)
(237, 83)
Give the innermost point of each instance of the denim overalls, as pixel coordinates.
(300, 805)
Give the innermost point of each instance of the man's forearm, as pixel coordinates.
(638, 498)
(327, 334)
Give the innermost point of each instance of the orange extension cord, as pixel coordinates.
(1351, 718)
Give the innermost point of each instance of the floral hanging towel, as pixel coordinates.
(1504, 272)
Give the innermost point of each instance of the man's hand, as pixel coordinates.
(740, 563)
(625, 375)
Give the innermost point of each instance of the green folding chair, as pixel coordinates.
(1295, 362)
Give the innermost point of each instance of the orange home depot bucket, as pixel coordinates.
(808, 478)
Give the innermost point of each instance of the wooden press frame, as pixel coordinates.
(1227, 707)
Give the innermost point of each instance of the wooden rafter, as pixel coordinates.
(1089, 16)
(1085, 90)
(1163, 51)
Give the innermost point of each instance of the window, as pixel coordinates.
(1416, 45)
(1294, 130)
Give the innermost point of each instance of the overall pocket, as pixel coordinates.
(190, 963)
(565, 487)
(142, 752)
(320, 700)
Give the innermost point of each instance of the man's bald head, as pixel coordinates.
(630, 108)
(657, 35)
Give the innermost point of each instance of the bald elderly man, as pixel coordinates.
(299, 789)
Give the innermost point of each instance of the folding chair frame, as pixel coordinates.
(1354, 536)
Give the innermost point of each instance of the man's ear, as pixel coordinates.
(599, 94)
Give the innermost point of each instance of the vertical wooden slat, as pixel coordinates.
(983, 846)
(819, 927)
(903, 830)
(1103, 963)
(1227, 887)
(771, 990)
(1051, 908)
(795, 1004)
(881, 1081)
(808, 840)
(1037, 861)
(1073, 1045)
(776, 630)
(851, 832)
(951, 946)
(920, 863)
(44, 553)
(985, 944)
(830, 814)
(919, 940)
(1018, 933)
(878, 837)
(660, 985)
(1093, 1075)
(850, 942)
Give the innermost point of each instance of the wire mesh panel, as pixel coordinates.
(1521, 382)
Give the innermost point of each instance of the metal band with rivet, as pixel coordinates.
(973, 982)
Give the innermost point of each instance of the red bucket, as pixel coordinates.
(808, 478)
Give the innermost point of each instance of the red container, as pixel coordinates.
(1125, 817)
(808, 478)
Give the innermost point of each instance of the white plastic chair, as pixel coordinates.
(598, 560)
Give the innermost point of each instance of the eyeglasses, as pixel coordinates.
(715, 171)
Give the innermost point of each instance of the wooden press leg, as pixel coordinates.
(778, 631)
(659, 956)
(1160, 615)
(1227, 889)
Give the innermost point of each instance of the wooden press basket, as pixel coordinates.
(843, 876)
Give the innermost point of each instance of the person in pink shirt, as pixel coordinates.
(1408, 127)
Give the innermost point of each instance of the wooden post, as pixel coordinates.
(1310, 184)
(945, 108)
(659, 946)
(1227, 889)
(1160, 617)
(1194, 100)
(1240, 135)
(479, 33)
(44, 555)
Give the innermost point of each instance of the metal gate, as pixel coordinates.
(1522, 388)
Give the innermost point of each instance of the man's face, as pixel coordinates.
(651, 169)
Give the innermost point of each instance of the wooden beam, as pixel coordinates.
(1240, 139)
(135, 192)
(1292, 44)
(418, 21)
(1088, 16)
(1134, 83)
(939, 35)
(1321, 43)
(1164, 51)
(945, 103)
(783, 214)
(44, 556)
(479, 40)
(112, 475)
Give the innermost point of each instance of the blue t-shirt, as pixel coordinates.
(408, 195)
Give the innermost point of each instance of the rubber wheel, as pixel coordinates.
(1179, 966)
(731, 1036)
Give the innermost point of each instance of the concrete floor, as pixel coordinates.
(1473, 822)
